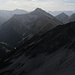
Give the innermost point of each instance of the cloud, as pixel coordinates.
(32, 4)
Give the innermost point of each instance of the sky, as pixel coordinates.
(29, 5)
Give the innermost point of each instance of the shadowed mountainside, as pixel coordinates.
(51, 54)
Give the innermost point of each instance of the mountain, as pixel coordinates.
(63, 18)
(26, 25)
(55, 13)
(72, 18)
(6, 15)
(52, 54)
(19, 11)
(69, 13)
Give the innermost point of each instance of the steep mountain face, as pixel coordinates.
(72, 18)
(26, 25)
(63, 18)
(5, 15)
(52, 54)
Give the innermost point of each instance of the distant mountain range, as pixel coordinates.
(64, 18)
(5, 15)
(55, 13)
(26, 25)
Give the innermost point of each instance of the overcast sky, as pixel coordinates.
(29, 5)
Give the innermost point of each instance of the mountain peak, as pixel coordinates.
(63, 14)
(19, 11)
(62, 17)
(38, 10)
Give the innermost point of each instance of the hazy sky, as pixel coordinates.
(32, 4)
